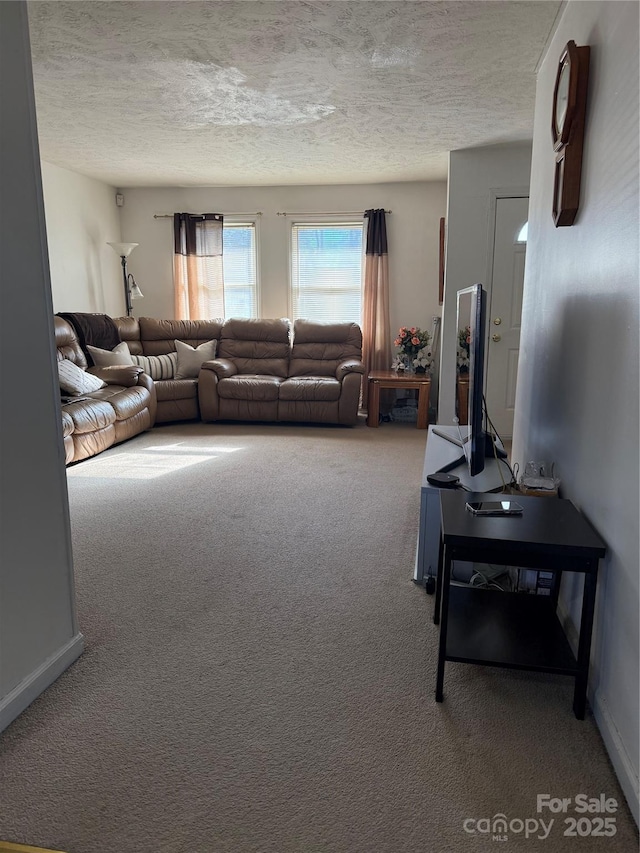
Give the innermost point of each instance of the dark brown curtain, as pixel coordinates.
(376, 338)
(198, 274)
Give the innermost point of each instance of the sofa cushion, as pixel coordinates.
(67, 343)
(159, 336)
(190, 359)
(157, 366)
(118, 374)
(67, 424)
(76, 381)
(90, 415)
(126, 402)
(176, 389)
(318, 348)
(129, 331)
(247, 387)
(110, 357)
(257, 346)
(318, 388)
(92, 442)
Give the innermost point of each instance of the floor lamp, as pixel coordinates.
(131, 289)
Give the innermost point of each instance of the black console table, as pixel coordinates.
(515, 630)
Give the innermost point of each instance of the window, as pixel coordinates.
(326, 271)
(523, 233)
(239, 263)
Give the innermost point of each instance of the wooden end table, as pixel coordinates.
(398, 379)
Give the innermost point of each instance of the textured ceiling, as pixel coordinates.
(236, 92)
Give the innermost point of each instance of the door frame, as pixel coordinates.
(494, 194)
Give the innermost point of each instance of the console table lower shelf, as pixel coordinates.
(507, 629)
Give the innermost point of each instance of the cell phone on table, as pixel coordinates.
(494, 508)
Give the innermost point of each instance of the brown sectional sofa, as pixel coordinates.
(95, 421)
(264, 370)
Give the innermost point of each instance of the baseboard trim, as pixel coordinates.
(616, 750)
(618, 754)
(34, 684)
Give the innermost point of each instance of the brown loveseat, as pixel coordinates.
(94, 421)
(268, 370)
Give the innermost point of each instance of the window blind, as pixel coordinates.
(239, 262)
(326, 271)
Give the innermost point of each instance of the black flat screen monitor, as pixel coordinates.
(472, 308)
(471, 316)
(472, 313)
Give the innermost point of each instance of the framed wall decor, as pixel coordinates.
(567, 130)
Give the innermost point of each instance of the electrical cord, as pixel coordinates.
(483, 582)
(494, 434)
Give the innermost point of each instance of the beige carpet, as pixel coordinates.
(259, 670)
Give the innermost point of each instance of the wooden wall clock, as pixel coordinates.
(567, 130)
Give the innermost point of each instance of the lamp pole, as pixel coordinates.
(127, 294)
(124, 250)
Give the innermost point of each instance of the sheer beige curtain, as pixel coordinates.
(376, 338)
(197, 270)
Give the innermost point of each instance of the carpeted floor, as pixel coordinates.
(259, 669)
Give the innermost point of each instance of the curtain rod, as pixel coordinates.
(327, 213)
(222, 213)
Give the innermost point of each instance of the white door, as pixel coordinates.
(503, 322)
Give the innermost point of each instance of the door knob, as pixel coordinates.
(497, 321)
(496, 338)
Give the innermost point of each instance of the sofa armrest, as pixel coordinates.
(351, 365)
(126, 375)
(147, 382)
(222, 367)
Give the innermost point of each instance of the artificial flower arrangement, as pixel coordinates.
(415, 353)
(462, 354)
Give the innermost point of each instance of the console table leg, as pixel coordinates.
(436, 611)
(584, 643)
(444, 618)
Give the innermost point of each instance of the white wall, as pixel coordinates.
(38, 631)
(577, 399)
(476, 177)
(413, 232)
(82, 216)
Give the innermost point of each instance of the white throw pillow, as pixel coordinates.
(75, 381)
(157, 366)
(109, 358)
(190, 360)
